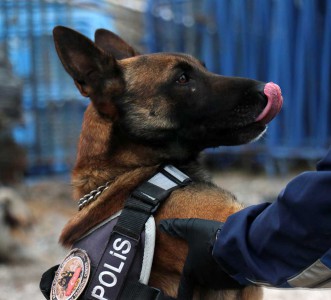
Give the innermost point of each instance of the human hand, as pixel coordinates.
(200, 268)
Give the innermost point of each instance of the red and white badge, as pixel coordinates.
(72, 276)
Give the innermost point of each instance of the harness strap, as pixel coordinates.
(146, 199)
(125, 238)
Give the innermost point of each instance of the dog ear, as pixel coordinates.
(113, 44)
(89, 66)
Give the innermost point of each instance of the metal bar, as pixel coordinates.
(32, 5)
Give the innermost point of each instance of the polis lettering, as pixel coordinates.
(108, 277)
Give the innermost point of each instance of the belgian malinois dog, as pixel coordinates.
(149, 110)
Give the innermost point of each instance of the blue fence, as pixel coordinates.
(287, 42)
(52, 107)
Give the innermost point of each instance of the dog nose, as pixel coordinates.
(274, 102)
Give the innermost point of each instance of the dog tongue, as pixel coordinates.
(274, 105)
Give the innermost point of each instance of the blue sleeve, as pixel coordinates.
(270, 243)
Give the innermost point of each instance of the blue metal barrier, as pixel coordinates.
(287, 42)
(49, 133)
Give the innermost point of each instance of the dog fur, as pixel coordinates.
(147, 110)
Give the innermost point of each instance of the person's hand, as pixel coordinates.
(200, 268)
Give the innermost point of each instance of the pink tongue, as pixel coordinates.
(274, 105)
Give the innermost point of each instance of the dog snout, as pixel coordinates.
(257, 91)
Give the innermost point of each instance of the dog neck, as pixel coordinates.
(98, 163)
(99, 160)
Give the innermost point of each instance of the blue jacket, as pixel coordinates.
(286, 243)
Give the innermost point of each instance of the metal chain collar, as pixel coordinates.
(85, 200)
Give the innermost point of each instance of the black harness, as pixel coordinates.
(111, 254)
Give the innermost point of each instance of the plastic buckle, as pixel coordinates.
(159, 295)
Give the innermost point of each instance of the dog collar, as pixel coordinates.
(114, 259)
(91, 196)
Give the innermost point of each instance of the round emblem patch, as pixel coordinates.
(72, 276)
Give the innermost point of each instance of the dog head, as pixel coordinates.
(166, 101)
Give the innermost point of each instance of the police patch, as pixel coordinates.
(72, 276)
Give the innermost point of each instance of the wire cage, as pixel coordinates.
(52, 108)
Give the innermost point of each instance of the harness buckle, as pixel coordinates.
(155, 208)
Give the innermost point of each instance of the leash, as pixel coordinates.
(107, 270)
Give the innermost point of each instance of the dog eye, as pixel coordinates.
(183, 79)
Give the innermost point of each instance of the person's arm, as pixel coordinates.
(274, 243)
(286, 243)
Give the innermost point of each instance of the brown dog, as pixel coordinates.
(149, 110)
